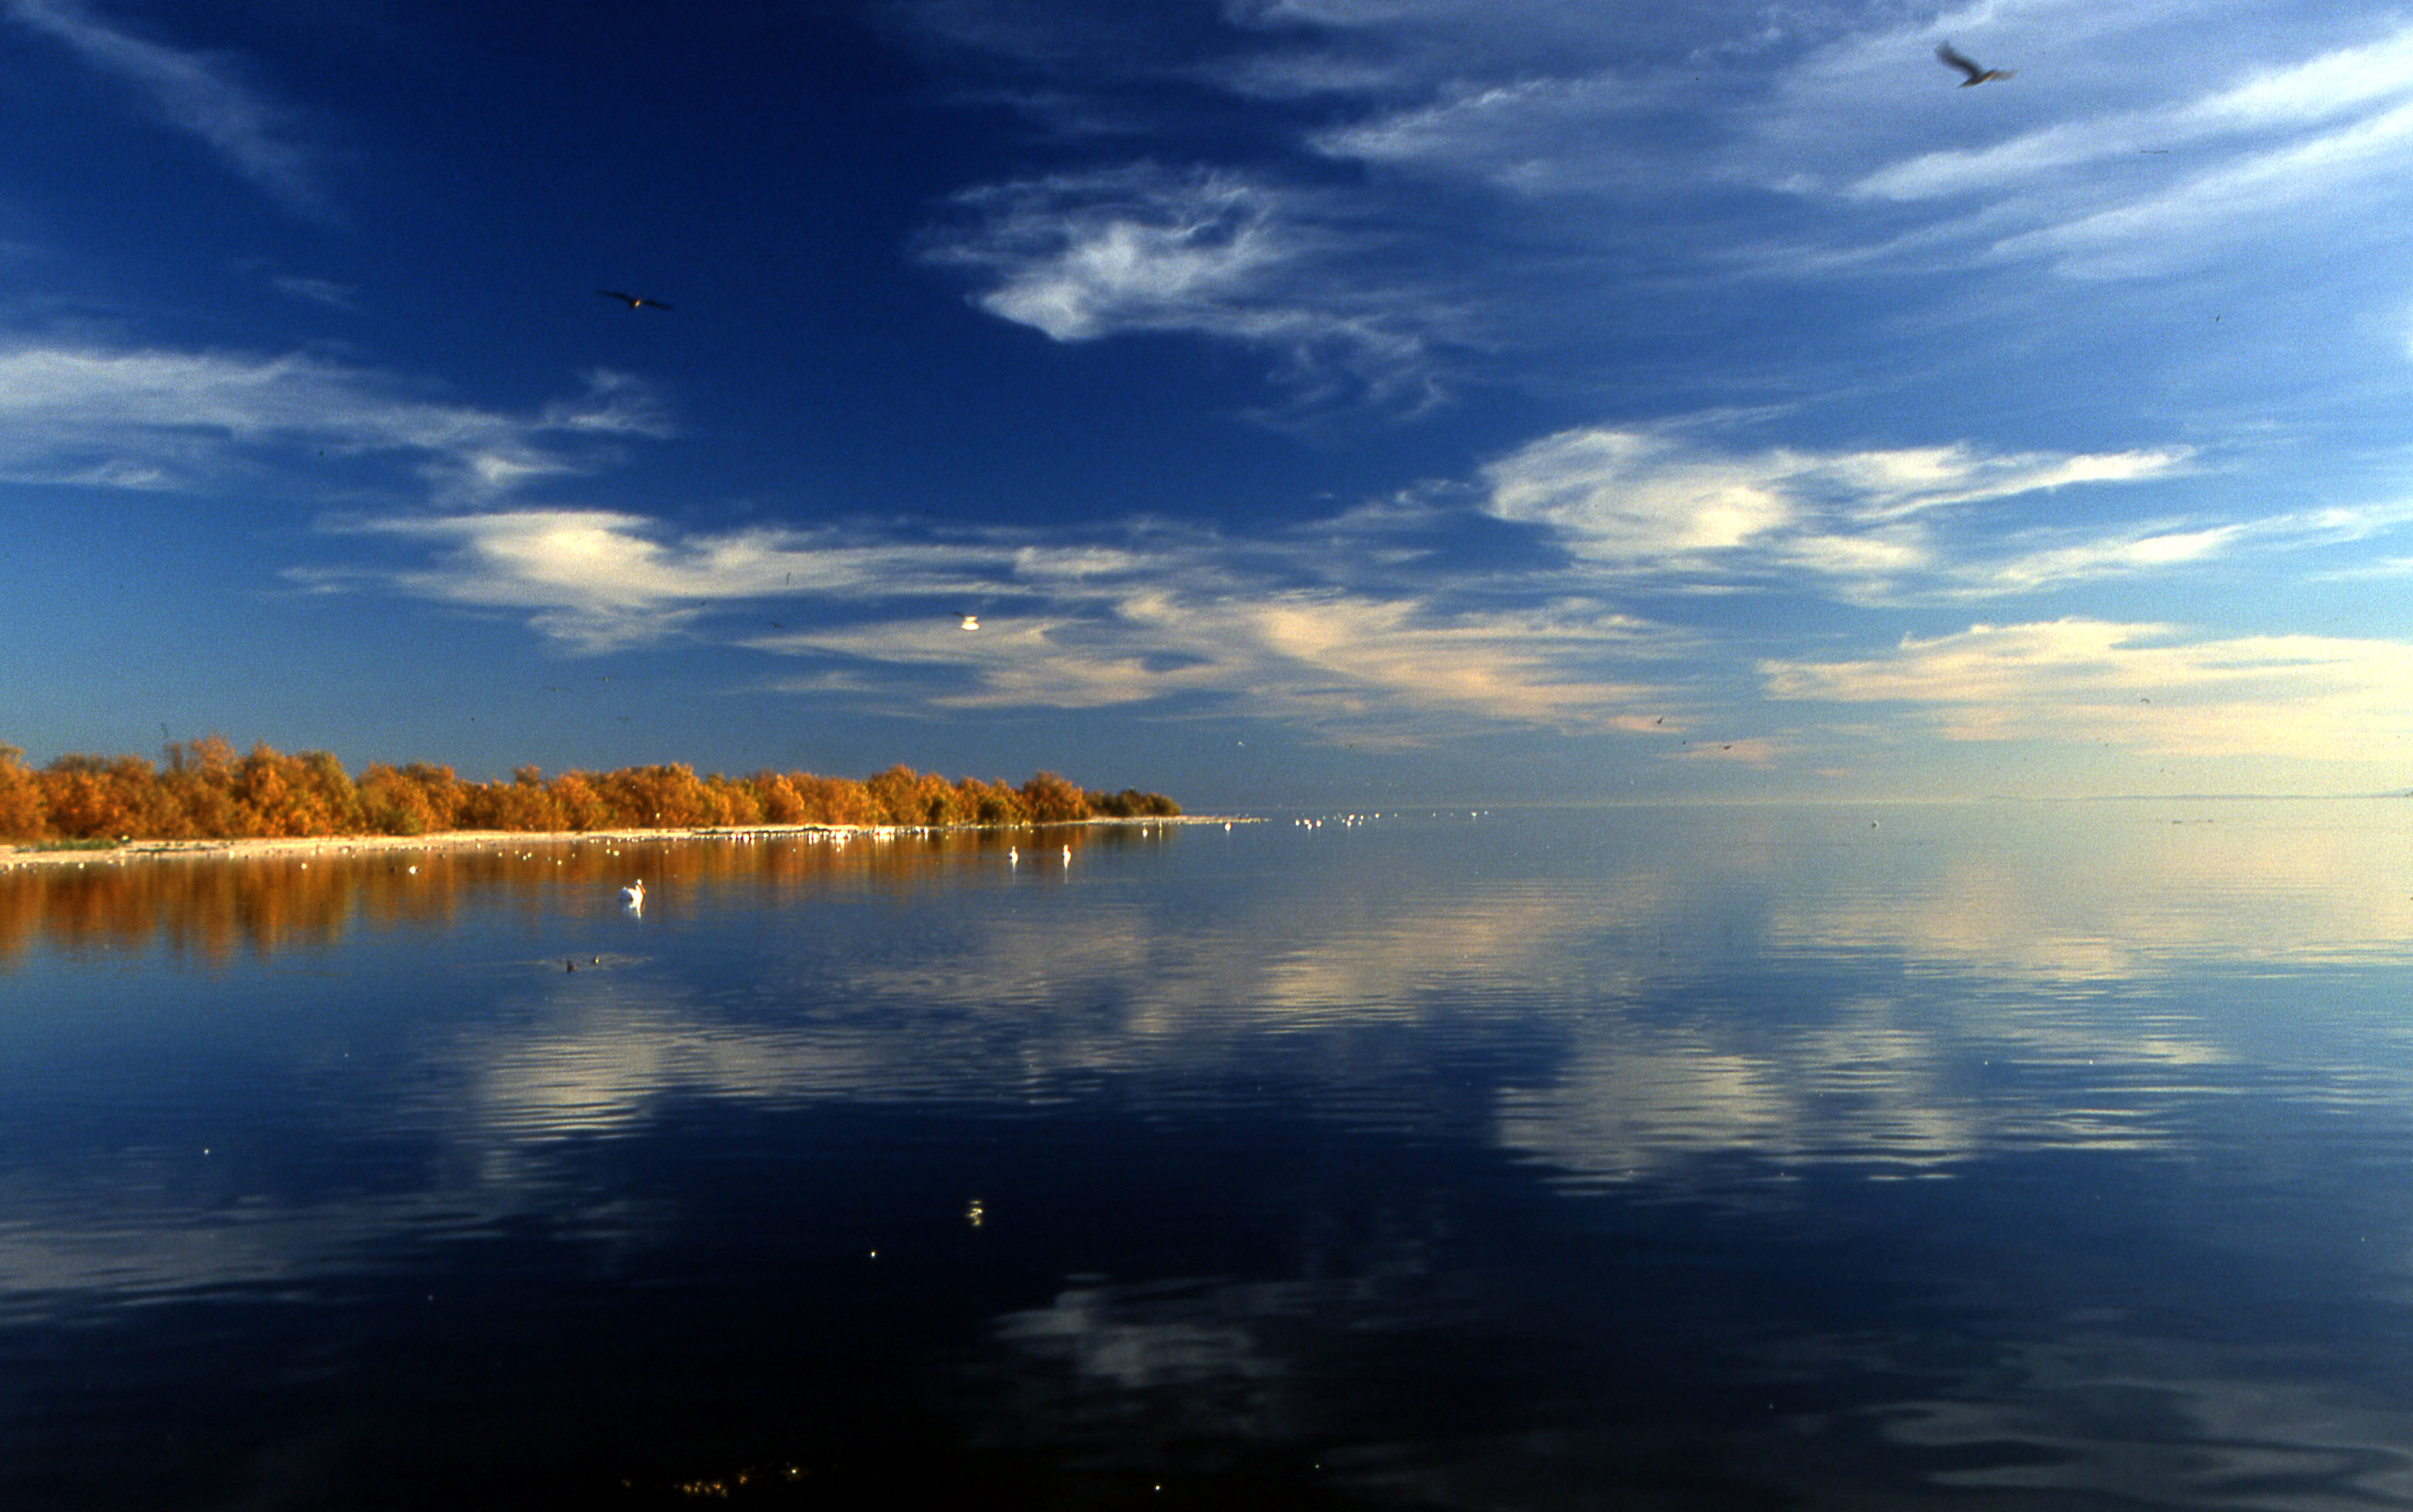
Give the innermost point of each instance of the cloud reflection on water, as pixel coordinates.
(1641, 1049)
(1789, 985)
(2158, 1422)
(1603, 1114)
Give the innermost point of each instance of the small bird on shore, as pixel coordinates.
(1977, 75)
(634, 302)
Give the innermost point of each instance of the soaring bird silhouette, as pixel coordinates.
(634, 302)
(1950, 59)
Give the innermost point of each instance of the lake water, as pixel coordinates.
(1990, 1156)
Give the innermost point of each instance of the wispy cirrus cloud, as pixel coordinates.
(1532, 136)
(2154, 688)
(1082, 256)
(2338, 175)
(1151, 618)
(1348, 227)
(182, 421)
(1360, 622)
(1326, 658)
(605, 580)
(1875, 522)
(198, 92)
(2093, 165)
(333, 295)
(2347, 85)
(1702, 163)
(2111, 554)
(1218, 253)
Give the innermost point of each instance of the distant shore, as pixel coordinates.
(314, 845)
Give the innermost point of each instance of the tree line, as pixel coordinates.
(202, 790)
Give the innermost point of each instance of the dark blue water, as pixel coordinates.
(2035, 1156)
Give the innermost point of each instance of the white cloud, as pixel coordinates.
(2139, 139)
(2328, 86)
(1875, 522)
(1092, 254)
(197, 93)
(1532, 136)
(318, 290)
(602, 580)
(1624, 495)
(1445, 194)
(177, 420)
(1063, 626)
(2151, 687)
(2340, 173)
(1351, 625)
(2107, 557)
(1084, 256)
(1323, 658)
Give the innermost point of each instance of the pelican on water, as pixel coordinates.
(634, 894)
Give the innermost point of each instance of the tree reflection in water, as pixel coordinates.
(209, 905)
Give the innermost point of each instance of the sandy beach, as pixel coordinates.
(473, 839)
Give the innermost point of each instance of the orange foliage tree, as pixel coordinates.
(991, 803)
(22, 813)
(283, 796)
(905, 796)
(832, 800)
(205, 790)
(199, 785)
(96, 798)
(1051, 800)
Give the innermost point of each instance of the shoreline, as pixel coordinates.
(315, 845)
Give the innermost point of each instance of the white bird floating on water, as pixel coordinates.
(634, 894)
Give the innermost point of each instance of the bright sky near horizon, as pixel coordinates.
(1313, 399)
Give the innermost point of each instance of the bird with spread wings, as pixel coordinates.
(634, 302)
(1977, 75)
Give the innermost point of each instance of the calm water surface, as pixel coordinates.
(2009, 1156)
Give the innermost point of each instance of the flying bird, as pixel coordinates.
(1977, 75)
(634, 302)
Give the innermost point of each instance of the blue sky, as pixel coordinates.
(1314, 400)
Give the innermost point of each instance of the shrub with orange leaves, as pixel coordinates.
(206, 792)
